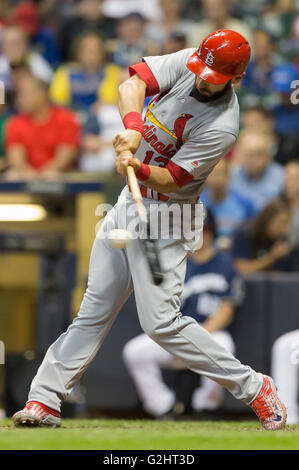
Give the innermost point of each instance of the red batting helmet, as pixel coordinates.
(221, 56)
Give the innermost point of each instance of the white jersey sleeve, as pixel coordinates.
(168, 69)
(202, 152)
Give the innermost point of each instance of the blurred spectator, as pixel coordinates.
(217, 15)
(228, 207)
(174, 43)
(262, 244)
(257, 81)
(251, 11)
(4, 13)
(291, 184)
(97, 150)
(17, 57)
(210, 295)
(52, 12)
(278, 21)
(294, 42)
(4, 115)
(79, 85)
(42, 141)
(291, 196)
(256, 177)
(88, 17)
(285, 368)
(42, 39)
(257, 119)
(121, 8)
(130, 44)
(260, 119)
(286, 114)
(289, 45)
(170, 23)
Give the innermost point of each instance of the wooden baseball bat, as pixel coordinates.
(150, 246)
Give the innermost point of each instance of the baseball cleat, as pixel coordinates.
(36, 414)
(267, 406)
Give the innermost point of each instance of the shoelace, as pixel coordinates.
(262, 407)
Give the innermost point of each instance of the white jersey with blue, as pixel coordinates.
(208, 284)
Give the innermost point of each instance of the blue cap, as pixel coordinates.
(282, 76)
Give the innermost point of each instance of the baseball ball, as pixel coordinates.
(119, 238)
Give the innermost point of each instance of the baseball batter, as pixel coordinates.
(189, 126)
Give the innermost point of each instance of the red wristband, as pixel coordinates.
(144, 172)
(133, 120)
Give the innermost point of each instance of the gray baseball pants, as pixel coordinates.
(113, 274)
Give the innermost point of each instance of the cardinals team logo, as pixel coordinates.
(210, 59)
(179, 127)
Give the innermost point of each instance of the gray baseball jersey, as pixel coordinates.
(177, 127)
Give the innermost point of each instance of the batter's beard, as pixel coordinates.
(195, 93)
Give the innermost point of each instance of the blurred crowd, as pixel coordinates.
(62, 61)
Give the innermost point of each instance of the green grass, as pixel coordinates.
(121, 434)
